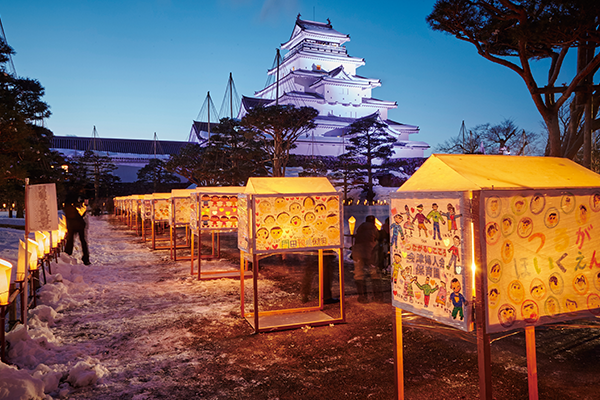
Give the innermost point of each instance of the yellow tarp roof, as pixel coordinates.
(182, 192)
(272, 185)
(161, 195)
(462, 172)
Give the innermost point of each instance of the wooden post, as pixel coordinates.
(255, 279)
(531, 362)
(2, 337)
(320, 255)
(398, 355)
(484, 359)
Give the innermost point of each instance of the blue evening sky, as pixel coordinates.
(135, 67)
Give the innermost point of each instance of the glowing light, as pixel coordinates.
(5, 272)
(378, 224)
(473, 265)
(351, 224)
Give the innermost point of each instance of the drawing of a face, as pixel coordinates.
(332, 219)
(269, 220)
(571, 305)
(455, 286)
(320, 225)
(262, 234)
(333, 233)
(309, 217)
(552, 217)
(494, 297)
(582, 217)
(295, 221)
(530, 311)
(552, 306)
(507, 251)
(555, 283)
(537, 203)
(276, 233)
(537, 289)
(493, 206)
(295, 208)
(525, 227)
(567, 203)
(279, 204)
(332, 203)
(320, 209)
(492, 233)
(595, 202)
(597, 281)
(519, 206)
(307, 230)
(398, 219)
(309, 203)
(580, 284)
(507, 225)
(507, 315)
(283, 218)
(593, 303)
(495, 271)
(516, 292)
(264, 206)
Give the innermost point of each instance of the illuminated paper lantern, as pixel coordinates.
(378, 224)
(43, 243)
(55, 238)
(351, 224)
(33, 251)
(35, 248)
(21, 263)
(5, 273)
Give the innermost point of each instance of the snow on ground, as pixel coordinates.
(93, 322)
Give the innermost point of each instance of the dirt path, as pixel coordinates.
(164, 335)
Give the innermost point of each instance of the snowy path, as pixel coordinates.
(127, 316)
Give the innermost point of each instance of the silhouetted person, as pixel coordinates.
(364, 253)
(312, 269)
(75, 225)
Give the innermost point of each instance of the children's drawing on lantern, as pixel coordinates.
(537, 289)
(567, 203)
(580, 284)
(555, 283)
(507, 251)
(516, 292)
(519, 205)
(492, 207)
(426, 288)
(421, 220)
(530, 311)
(582, 215)
(507, 315)
(494, 297)
(552, 306)
(492, 233)
(507, 225)
(457, 299)
(537, 204)
(455, 256)
(593, 303)
(551, 218)
(451, 216)
(571, 305)
(436, 217)
(396, 231)
(525, 227)
(408, 225)
(495, 271)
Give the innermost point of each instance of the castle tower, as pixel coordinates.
(317, 72)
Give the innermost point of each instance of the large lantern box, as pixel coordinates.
(146, 214)
(215, 213)
(161, 216)
(290, 215)
(182, 204)
(514, 234)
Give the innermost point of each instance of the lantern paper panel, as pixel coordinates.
(244, 232)
(182, 207)
(542, 256)
(218, 211)
(162, 209)
(431, 255)
(147, 208)
(291, 221)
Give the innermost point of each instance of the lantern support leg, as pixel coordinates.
(2, 336)
(255, 281)
(398, 355)
(531, 362)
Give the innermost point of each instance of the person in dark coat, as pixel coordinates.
(75, 225)
(364, 253)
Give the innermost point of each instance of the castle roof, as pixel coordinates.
(304, 29)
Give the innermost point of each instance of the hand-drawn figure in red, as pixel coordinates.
(452, 216)
(426, 288)
(454, 251)
(421, 219)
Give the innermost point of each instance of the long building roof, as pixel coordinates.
(127, 146)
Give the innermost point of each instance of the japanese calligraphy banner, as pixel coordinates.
(541, 257)
(430, 249)
(41, 208)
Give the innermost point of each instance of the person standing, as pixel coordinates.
(75, 225)
(363, 254)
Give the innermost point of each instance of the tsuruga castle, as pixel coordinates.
(318, 72)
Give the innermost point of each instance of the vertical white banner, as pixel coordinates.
(41, 208)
